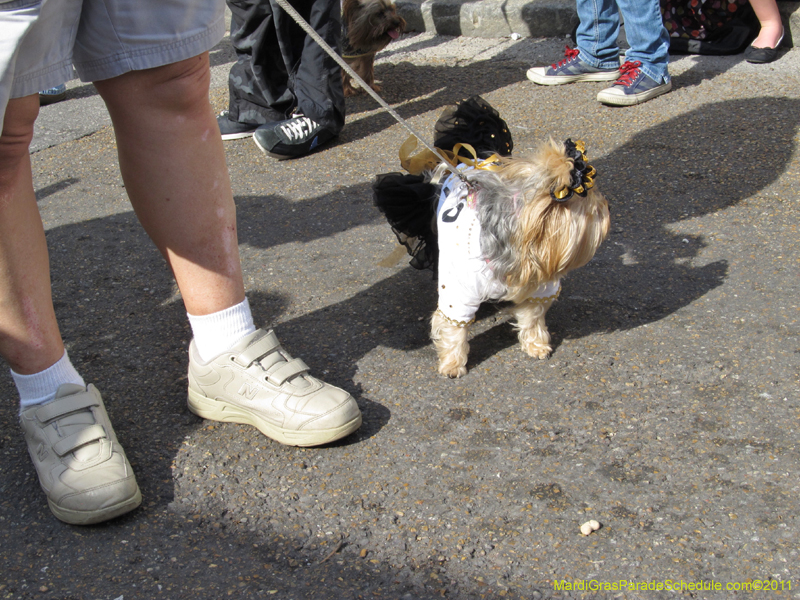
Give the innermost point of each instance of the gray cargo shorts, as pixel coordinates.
(41, 40)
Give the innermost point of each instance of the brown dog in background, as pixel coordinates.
(368, 27)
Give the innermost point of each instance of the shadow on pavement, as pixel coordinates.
(705, 161)
(700, 163)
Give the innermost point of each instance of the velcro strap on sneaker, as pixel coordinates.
(268, 343)
(286, 371)
(90, 434)
(66, 405)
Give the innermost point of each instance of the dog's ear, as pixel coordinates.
(556, 166)
(550, 233)
(543, 232)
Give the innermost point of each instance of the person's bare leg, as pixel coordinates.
(769, 16)
(104, 487)
(29, 337)
(173, 164)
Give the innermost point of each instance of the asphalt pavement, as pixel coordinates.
(669, 411)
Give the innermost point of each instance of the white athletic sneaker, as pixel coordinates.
(258, 383)
(81, 466)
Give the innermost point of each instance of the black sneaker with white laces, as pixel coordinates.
(233, 130)
(291, 138)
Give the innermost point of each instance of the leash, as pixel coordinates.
(340, 61)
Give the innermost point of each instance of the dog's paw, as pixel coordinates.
(537, 350)
(452, 370)
(350, 91)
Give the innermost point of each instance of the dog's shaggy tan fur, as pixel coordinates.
(548, 240)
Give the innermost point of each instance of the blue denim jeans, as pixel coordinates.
(644, 29)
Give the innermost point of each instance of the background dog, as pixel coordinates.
(368, 27)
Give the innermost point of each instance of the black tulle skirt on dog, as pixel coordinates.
(409, 201)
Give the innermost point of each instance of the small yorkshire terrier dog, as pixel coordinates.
(368, 27)
(501, 229)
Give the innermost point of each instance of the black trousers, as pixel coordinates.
(280, 69)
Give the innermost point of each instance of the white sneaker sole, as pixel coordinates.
(219, 410)
(537, 75)
(90, 517)
(611, 97)
(237, 136)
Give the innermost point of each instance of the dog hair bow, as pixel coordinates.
(582, 175)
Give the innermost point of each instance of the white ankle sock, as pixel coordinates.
(220, 331)
(41, 387)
